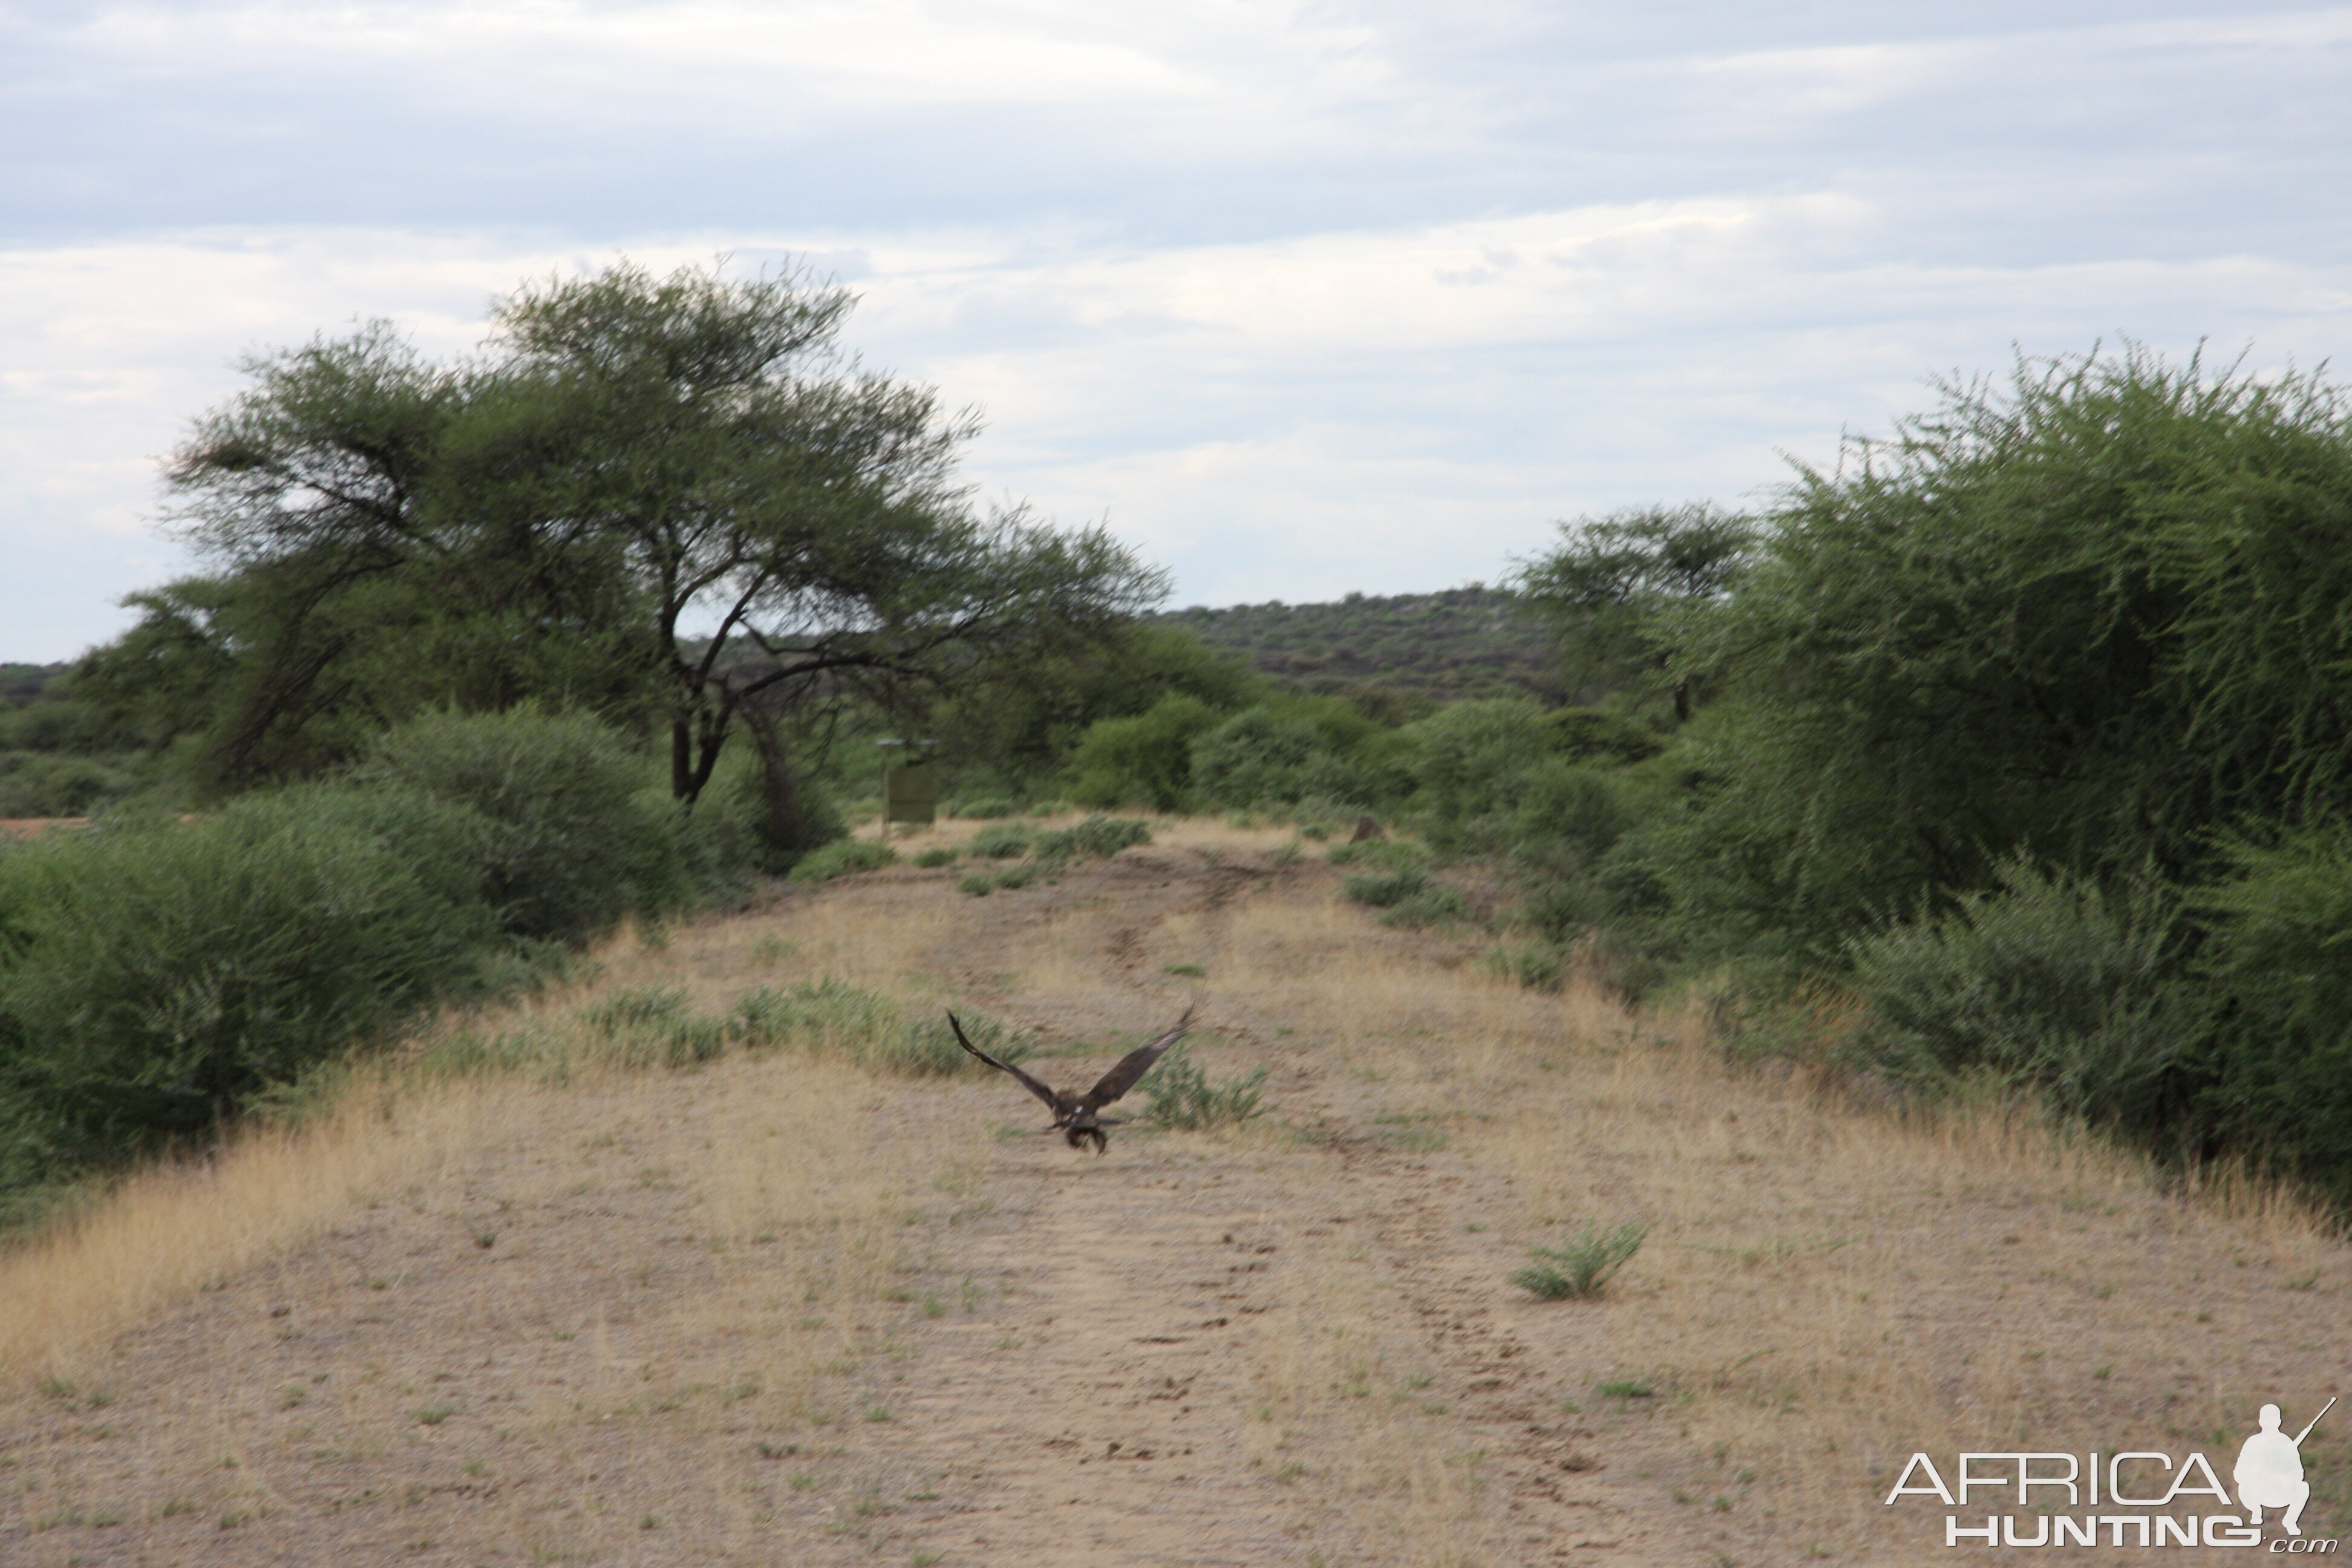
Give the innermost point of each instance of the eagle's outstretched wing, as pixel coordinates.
(1051, 1101)
(1134, 1065)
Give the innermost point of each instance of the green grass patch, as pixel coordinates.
(1577, 1271)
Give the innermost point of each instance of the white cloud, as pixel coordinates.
(1379, 410)
(1303, 297)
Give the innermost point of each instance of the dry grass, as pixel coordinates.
(1828, 1288)
(1347, 1416)
(165, 1234)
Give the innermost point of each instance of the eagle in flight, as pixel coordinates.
(1076, 1116)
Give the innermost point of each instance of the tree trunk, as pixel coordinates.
(784, 820)
(681, 760)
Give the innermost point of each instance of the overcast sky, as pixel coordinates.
(1300, 299)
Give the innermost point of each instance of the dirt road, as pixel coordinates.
(777, 1310)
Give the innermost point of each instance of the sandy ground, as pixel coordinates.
(776, 1310)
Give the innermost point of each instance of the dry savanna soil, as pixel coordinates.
(784, 1307)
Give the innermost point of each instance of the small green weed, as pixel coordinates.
(1182, 1097)
(1579, 1270)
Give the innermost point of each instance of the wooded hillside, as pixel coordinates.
(1460, 642)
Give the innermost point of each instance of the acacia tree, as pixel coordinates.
(2095, 616)
(676, 487)
(794, 525)
(1617, 591)
(353, 582)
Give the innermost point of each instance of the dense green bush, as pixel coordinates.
(2094, 616)
(165, 974)
(1469, 763)
(34, 784)
(575, 846)
(1596, 735)
(2051, 983)
(1255, 758)
(1144, 760)
(2280, 958)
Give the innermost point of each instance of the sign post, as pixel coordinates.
(910, 790)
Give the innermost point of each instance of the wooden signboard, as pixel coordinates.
(911, 794)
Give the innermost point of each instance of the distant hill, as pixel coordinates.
(1461, 642)
(20, 683)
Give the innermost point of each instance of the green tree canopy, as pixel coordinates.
(672, 499)
(2095, 615)
(1617, 590)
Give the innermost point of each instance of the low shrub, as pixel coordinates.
(653, 1027)
(1530, 968)
(1383, 853)
(931, 860)
(2051, 983)
(1384, 889)
(979, 884)
(825, 1014)
(1182, 1098)
(831, 1016)
(1577, 1271)
(927, 1048)
(985, 809)
(843, 857)
(1002, 841)
(1433, 905)
(1098, 837)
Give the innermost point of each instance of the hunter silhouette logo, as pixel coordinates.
(2270, 1470)
(2131, 1498)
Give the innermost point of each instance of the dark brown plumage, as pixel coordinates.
(1077, 1116)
